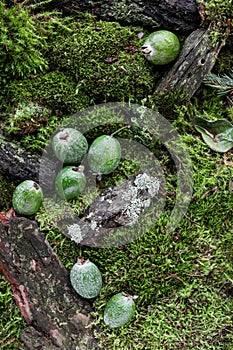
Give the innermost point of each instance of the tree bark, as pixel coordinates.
(196, 59)
(176, 15)
(18, 165)
(56, 316)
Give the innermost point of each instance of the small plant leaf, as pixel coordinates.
(218, 134)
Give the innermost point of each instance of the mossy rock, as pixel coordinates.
(89, 63)
(104, 58)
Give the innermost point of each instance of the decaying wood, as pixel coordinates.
(116, 208)
(176, 15)
(196, 59)
(18, 165)
(56, 316)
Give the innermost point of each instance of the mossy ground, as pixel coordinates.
(183, 280)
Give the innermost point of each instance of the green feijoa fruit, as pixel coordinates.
(69, 146)
(104, 154)
(119, 310)
(27, 198)
(161, 47)
(70, 182)
(86, 278)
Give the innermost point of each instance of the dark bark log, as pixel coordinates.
(19, 165)
(196, 59)
(55, 315)
(176, 15)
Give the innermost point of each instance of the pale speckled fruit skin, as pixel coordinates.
(119, 310)
(86, 279)
(27, 198)
(164, 46)
(69, 146)
(70, 182)
(104, 154)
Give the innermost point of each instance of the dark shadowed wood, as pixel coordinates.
(18, 165)
(196, 59)
(56, 316)
(176, 15)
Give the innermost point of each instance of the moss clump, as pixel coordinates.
(55, 90)
(218, 14)
(104, 60)
(88, 63)
(20, 44)
(166, 103)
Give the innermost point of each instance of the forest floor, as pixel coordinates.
(183, 279)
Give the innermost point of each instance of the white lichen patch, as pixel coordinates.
(74, 231)
(146, 182)
(134, 210)
(136, 201)
(93, 225)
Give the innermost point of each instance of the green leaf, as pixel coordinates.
(218, 134)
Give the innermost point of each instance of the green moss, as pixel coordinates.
(218, 14)
(166, 104)
(20, 45)
(224, 61)
(11, 321)
(183, 280)
(93, 62)
(6, 189)
(55, 90)
(104, 59)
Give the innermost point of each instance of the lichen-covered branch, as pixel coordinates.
(115, 212)
(55, 315)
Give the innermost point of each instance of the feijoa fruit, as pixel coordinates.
(104, 154)
(70, 181)
(119, 310)
(69, 146)
(27, 197)
(86, 278)
(161, 47)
